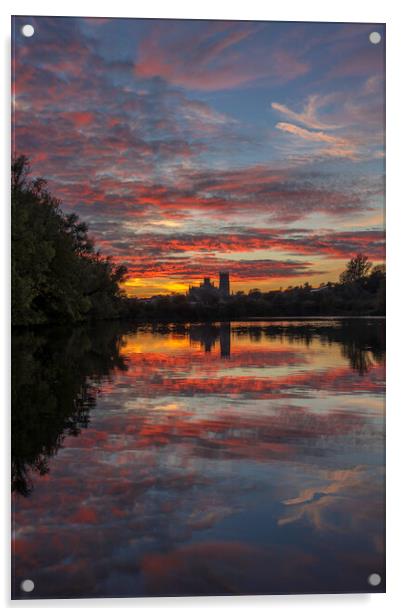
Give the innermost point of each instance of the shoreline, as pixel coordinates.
(138, 323)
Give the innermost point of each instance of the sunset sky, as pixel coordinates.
(197, 146)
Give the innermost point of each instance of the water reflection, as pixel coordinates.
(201, 459)
(55, 381)
(207, 334)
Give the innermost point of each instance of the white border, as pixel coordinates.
(294, 10)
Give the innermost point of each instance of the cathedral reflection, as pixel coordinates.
(207, 335)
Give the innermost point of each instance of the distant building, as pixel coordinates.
(207, 291)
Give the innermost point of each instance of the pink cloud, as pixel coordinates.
(80, 118)
(202, 62)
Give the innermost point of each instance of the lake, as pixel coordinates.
(233, 458)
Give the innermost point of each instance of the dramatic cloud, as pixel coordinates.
(299, 241)
(164, 144)
(212, 56)
(350, 124)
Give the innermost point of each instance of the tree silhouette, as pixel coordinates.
(56, 273)
(356, 269)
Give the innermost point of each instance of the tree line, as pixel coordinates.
(359, 292)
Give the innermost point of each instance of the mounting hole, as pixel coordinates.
(374, 579)
(27, 585)
(375, 38)
(28, 30)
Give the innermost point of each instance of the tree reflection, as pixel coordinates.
(55, 381)
(362, 341)
(366, 346)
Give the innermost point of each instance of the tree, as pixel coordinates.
(356, 269)
(56, 273)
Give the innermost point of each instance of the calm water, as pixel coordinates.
(200, 459)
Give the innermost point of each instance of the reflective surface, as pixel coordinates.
(199, 459)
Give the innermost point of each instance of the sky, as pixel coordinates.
(191, 147)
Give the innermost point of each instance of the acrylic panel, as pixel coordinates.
(198, 307)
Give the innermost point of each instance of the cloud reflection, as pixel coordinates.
(197, 473)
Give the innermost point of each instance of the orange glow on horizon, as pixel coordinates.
(148, 287)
